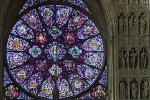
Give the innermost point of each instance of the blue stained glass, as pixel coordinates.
(33, 20)
(89, 73)
(94, 59)
(47, 13)
(64, 89)
(55, 50)
(75, 51)
(33, 82)
(104, 78)
(55, 32)
(88, 30)
(77, 20)
(15, 59)
(62, 15)
(6, 78)
(17, 44)
(22, 73)
(47, 89)
(94, 44)
(35, 51)
(31, 3)
(20, 29)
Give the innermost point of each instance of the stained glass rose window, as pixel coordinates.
(55, 50)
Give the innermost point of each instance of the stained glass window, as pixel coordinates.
(55, 51)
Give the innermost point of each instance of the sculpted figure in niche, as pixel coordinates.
(143, 59)
(133, 89)
(121, 24)
(123, 89)
(144, 88)
(132, 24)
(123, 58)
(133, 56)
(142, 24)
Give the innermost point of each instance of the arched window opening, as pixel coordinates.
(55, 51)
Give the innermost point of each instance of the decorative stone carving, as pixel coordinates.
(133, 72)
(142, 1)
(142, 24)
(121, 24)
(123, 41)
(131, 23)
(133, 1)
(123, 58)
(143, 59)
(144, 89)
(133, 89)
(123, 89)
(133, 41)
(144, 72)
(144, 41)
(122, 1)
(123, 73)
(133, 57)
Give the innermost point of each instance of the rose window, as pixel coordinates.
(55, 50)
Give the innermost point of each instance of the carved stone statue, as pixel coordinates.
(133, 56)
(144, 89)
(143, 58)
(123, 89)
(133, 89)
(132, 23)
(142, 24)
(122, 58)
(121, 24)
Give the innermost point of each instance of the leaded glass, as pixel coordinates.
(55, 51)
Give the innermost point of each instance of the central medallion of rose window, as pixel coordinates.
(55, 51)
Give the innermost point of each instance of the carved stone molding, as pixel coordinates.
(144, 73)
(133, 72)
(123, 41)
(144, 41)
(123, 73)
(133, 41)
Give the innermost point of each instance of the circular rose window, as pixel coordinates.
(55, 51)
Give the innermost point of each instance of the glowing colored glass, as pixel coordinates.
(55, 49)
(35, 51)
(75, 51)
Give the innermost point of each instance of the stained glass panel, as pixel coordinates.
(55, 51)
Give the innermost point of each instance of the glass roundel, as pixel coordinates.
(55, 49)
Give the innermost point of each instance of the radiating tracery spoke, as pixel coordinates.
(63, 48)
(70, 86)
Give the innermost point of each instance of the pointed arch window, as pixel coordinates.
(55, 51)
